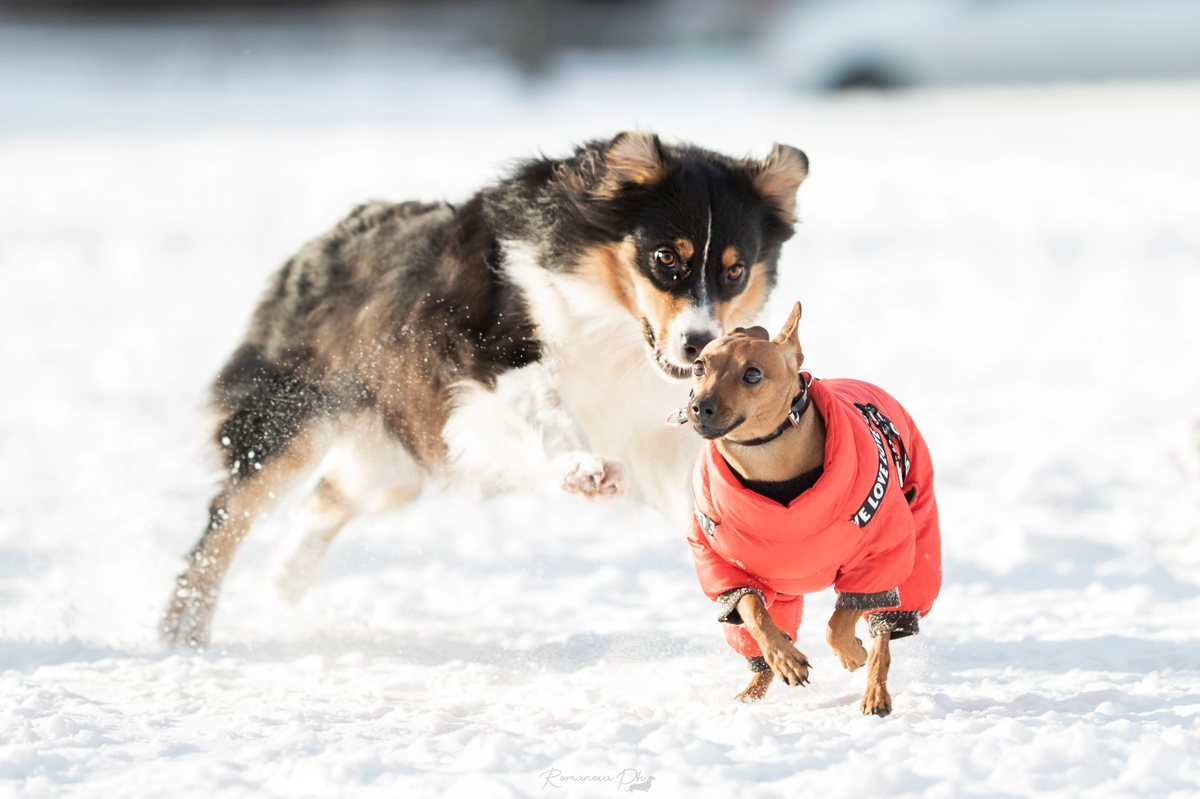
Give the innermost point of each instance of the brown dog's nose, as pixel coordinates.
(693, 343)
(705, 410)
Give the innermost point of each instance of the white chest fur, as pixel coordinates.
(596, 364)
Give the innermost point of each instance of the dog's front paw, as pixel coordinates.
(876, 701)
(186, 621)
(594, 477)
(788, 662)
(851, 653)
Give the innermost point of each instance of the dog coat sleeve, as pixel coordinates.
(727, 604)
(872, 582)
(718, 575)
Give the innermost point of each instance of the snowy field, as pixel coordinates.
(1021, 267)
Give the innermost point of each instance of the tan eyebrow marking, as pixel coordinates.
(685, 248)
(731, 256)
(743, 308)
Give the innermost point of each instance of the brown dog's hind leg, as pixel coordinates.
(246, 496)
(757, 688)
(877, 701)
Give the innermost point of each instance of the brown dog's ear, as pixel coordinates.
(778, 176)
(635, 157)
(789, 337)
(757, 332)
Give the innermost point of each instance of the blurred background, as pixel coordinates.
(94, 62)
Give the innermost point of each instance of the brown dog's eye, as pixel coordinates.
(752, 376)
(698, 369)
(735, 273)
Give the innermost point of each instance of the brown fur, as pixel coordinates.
(784, 659)
(685, 249)
(778, 177)
(403, 314)
(877, 701)
(745, 307)
(658, 308)
(634, 159)
(232, 514)
(757, 689)
(610, 266)
(752, 411)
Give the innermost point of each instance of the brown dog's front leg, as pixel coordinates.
(877, 701)
(785, 660)
(840, 635)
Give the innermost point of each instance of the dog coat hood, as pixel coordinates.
(855, 529)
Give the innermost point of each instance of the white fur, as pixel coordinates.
(369, 469)
(695, 321)
(595, 397)
(698, 320)
(511, 435)
(589, 418)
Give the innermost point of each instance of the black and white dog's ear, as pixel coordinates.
(778, 176)
(634, 158)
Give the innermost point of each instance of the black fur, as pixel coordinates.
(444, 309)
(556, 202)
(398, 303)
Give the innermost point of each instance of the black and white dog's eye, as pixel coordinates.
(735, 273)
(698, 369)
(669, 263)
(752, 376)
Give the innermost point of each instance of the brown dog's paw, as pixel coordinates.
(788, 662)
(852, 654)
(876, 701)
(757, 688)
(595, 478)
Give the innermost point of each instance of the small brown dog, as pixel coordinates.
(803, 485)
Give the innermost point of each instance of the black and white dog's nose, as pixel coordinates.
(705, 409)
(693, 343)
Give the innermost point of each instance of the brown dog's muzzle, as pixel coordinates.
(705, 415)
(705, 410)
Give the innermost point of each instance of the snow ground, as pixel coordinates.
(1020, 267)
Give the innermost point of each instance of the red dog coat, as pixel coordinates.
(868, 527)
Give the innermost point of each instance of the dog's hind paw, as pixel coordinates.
(298, 572)
(186, 621)
(594, 477)
(876, 701)
(757, 688)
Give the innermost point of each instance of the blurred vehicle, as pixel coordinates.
(839, 44)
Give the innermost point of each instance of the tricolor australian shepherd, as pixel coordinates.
(533, 334)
